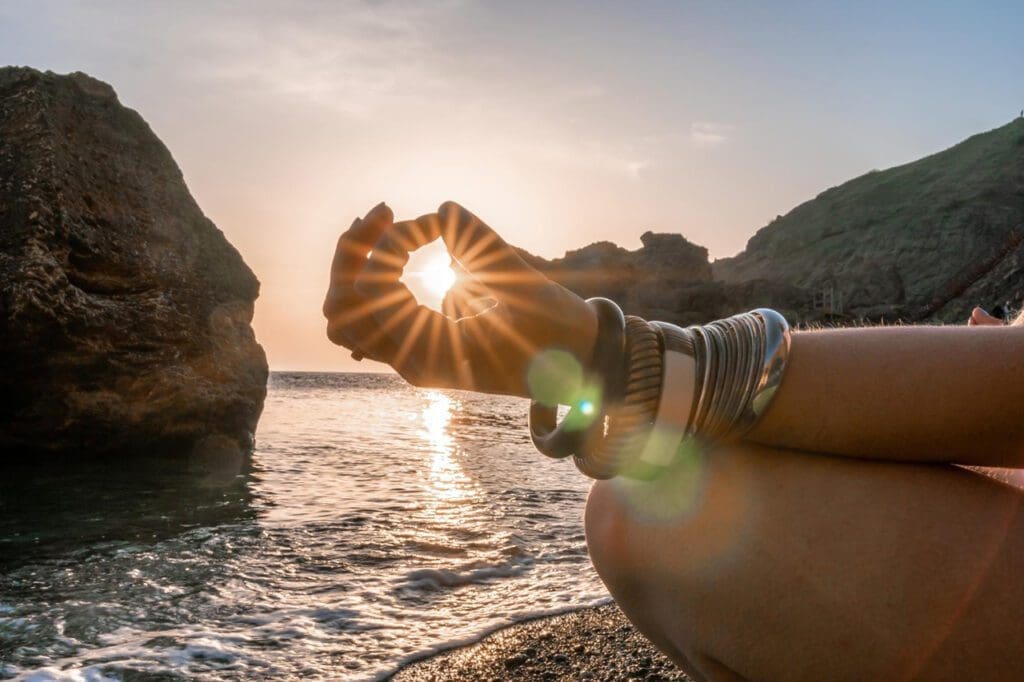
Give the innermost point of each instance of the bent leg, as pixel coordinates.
(758, 563)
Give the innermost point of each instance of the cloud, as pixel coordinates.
(352, 56)
(709, 134)
(603, 155)
(355, 57)
(633, 168)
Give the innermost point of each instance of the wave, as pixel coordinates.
(442, 578)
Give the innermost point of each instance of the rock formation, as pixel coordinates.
(125, 313)
(668, 278)
(658, 280)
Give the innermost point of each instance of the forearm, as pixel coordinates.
(951, 394)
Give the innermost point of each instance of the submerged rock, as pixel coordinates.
(125, 313)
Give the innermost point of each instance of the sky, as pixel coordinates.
(559, 123)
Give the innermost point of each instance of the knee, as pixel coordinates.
(606, 524)
(642, 572)
(626, 552)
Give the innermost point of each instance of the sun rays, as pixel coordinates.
(429, 274)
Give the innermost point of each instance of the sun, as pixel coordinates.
(429, 275)
(437, 276)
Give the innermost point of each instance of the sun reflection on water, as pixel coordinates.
(446, 480)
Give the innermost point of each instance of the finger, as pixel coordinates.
(360, 333)
(349, 317)
(400, 319)
(481, 251)
(350, 254)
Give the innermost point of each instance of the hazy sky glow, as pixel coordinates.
(560, 123)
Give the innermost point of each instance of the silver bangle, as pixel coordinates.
(745, 359)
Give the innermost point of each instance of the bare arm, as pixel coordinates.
(943, 394)
(950, 394)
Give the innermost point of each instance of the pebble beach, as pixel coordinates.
(590, 644)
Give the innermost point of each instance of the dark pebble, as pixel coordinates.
(515, 661)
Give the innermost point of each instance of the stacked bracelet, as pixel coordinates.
(718, 380)
(741, 360)
(663, 384)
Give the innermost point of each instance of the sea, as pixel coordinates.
(375, 524)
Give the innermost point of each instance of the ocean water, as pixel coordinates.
(375, 523)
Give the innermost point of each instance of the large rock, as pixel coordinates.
(125, 313)
(922, 241)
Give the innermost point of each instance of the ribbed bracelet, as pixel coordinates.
(609, 454)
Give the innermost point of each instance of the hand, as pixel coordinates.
(371, 312)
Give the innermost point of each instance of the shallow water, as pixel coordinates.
(375, 523)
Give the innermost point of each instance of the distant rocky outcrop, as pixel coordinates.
(926, 241)
(644, 277)
(125, 313)
(669, 278)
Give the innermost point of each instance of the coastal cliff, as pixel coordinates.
(125, 312)
(921, 242)
(927, 240)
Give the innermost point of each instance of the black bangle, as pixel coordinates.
(582, 422)
(610, 350)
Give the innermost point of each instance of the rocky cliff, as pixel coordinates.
(125, 313)
(926, 241)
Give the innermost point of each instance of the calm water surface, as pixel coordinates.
(375, 523)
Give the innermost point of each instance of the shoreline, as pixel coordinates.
(592, 643)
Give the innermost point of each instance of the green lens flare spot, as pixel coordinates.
(587, 402)
(555, 377)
